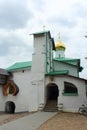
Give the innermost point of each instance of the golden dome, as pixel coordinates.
(59, 45)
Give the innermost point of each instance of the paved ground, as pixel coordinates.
(6, 117)
(31, 122)
(65, 121)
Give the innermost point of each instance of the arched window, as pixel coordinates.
(70, 89)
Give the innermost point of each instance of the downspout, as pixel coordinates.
(46, 52)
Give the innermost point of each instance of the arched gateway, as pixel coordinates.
(52, 93)
(9, 107)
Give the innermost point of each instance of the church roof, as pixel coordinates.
(68, 60)
(20, 65)
(28, 64)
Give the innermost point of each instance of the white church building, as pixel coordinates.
(49, 82)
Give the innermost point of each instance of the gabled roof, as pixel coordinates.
(68, 60)
(20, 65)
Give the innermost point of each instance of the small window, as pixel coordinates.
(70, 89)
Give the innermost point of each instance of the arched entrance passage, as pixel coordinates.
(10, 107)
(52, 94)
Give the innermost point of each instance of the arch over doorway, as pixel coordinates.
(52, 93)
(9, 107)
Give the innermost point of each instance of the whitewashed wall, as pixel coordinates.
(36, 94)
(21, 100)
(22, 79)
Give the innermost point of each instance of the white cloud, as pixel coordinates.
(19, 18)
(14, 14)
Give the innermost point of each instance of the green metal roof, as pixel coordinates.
(61, 72)
(69, 61)
(20, 65)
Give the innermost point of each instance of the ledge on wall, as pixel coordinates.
(70, 94)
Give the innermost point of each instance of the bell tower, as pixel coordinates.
(41, 64)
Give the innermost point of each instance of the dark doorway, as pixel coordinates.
(52, 92)
(10, 107)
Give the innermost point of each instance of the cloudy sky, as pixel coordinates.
(19, 18)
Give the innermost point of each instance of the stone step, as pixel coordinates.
(51, 108)
(51, 105)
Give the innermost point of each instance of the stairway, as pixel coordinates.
(51, 106)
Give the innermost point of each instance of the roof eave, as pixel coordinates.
(57, 73)
(11, 70)
(42, 32)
